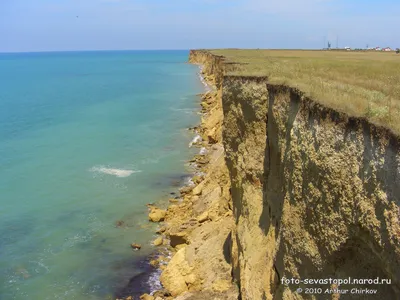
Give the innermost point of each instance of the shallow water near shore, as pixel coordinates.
(86, 140)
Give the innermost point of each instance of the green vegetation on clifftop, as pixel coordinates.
(362, 84)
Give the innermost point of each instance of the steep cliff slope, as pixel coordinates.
(315, 192)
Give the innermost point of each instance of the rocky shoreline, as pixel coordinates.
(197, 224)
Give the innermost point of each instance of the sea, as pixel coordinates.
(87, 139)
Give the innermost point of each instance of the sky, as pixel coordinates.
(73, 25)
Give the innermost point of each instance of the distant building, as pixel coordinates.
(387, 49)
(347, 48)
(378, 48)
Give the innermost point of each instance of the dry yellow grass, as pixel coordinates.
(363, 84)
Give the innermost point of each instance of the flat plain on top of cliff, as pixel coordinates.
(362, 84)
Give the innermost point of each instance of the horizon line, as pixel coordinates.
(126, 50)
(92, 50)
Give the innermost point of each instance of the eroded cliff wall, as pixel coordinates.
(315, 192)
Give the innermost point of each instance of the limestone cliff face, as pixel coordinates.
(315, 192)
(212, 65)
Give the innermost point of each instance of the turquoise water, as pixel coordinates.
(87, 139)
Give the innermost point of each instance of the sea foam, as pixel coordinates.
(154, 281)
(203, 151)
(114, 171)
(196, 139)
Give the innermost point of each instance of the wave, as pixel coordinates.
(114, 171)
(203, 151)
(154, 281)
(188, 181)
(196, 139)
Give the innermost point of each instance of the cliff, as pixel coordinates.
(315, 192)
(285, 188)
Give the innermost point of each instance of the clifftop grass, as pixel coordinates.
(362, 84)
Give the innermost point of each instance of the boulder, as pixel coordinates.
(154, 263)
(158, 262)
(173, 277)
(203, 217)
(161, 294)
(136, 246)
(198, 189)
(172, 209)
(146, 297)
(194, 198)
(197, 179)
(177, 238)
(203, 161)
(186, 190)
(205, 105)
(180, 246)
(157, 214)
(161, 258)
(158, 241)
(119, 223)
(161, 230)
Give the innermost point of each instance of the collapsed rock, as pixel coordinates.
(154, 263)
(203, 217)
(186, 190)
(173, 277)
(158, 241)
(119, 223)
(146, 297)
(172, 200)
(161, 294)
(177, 238)
(158, 262)
(197, 179)
(136, 246)
(157, 214)
(161, 230)
(198, 189)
